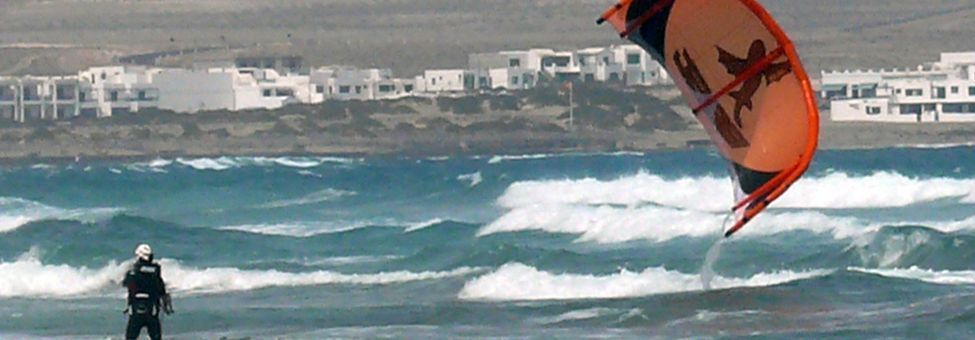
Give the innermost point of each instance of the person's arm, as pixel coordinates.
(167, 301)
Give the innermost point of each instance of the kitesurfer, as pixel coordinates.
(147, 295)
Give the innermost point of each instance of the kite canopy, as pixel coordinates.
(742, 77)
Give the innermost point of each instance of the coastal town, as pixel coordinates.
(942, 91)
(270, 82)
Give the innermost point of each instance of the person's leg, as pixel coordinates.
(133, 328)
(154, 328)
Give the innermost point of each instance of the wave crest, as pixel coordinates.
(28, 276)
(516, 281)
(17, 212)
(946, 277)
(878, 190)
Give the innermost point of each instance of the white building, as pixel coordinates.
(943, 91)
(439, 81)
(349, 83)
(628, 64)
(105, 91)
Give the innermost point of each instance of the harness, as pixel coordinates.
(143, 297)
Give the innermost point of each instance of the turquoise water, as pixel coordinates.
(874, 243)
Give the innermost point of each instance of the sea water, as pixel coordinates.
(870, 243)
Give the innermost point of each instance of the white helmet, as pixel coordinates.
(143, 251)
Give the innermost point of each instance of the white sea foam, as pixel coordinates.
(610, 224)
(345, 260)
(582, 314)
(946, 277)
(423, 225)
(298, 229)
(502, 158)
(225, 163)
(882, 189)
(515, 281)
(473, 179)
(29, 277)
(16, 212)
(935, 145)
(215, 164)
(219, 280)
(320, 196)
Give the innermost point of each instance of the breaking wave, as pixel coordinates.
(946, 277)
(516, 281)
(610, 224)
(502, 158)
(28, 276)
(473, 179)
(423, 225)
(225, 163)
(297, 229)
(881, 189)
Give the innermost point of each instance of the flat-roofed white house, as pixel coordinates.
(626, 64)
(512, 70)
(447, 80)
(942, 91)
(349, 83)
(105, 91)
(33, 98)
(190, 91)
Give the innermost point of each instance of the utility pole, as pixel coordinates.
(571, 107)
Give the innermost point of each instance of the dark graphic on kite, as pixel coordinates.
(692, 75)
(739, 66)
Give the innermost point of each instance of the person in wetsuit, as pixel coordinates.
(147, 295)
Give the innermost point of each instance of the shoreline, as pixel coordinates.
(28, 160)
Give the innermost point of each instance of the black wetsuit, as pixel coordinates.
(146, 291)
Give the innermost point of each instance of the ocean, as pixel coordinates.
(869, 243)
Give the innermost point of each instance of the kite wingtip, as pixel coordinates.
(600, 21)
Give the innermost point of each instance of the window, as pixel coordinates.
(897, 91)
(954, 90)
(320, 88)
(408, 88)
(268, 93)
(910, 109)
(344, 89)
(913, 92)
(939, 92)
(386, 88)
(633, 58)
(930, 107)
(514, 80)
(358, 89)
(605, 60)
(113, 96)
(971, 90)
(514, 62)
(433, 81)
(142, 95)
(953, 108)
(873, 110)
